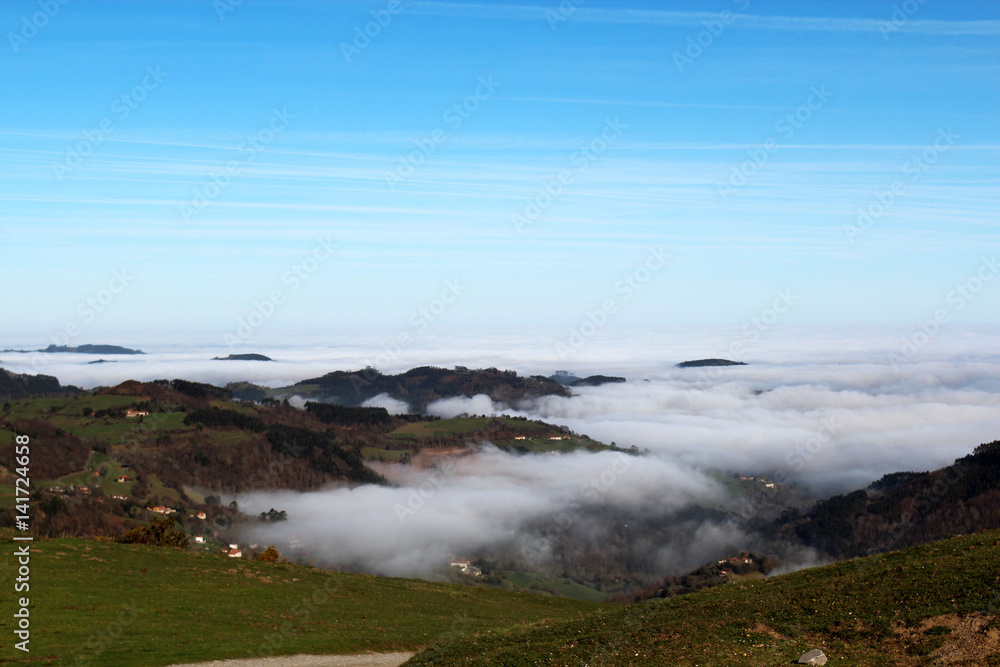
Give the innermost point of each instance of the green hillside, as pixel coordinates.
(102, 603)
(933, 604)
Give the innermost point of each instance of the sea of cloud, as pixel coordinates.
(830, 411)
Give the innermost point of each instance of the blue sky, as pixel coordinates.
(212, 153)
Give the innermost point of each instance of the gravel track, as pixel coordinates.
(363, 660)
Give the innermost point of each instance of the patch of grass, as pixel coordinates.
(124, 605)
(158, 490)
(851, 610)
(443, 428)
(376, 454)
(543, 445)
(84, 478)
(112, 430)
(8, 496)
(558, 585)
(537, 442)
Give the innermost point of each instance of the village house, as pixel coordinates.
(199, 539)
(201, 515)
(520, 437)
(235, 553)
(136, 413)
(466, 566)
(124, 478)
(160, 509)
(120, 497)
(558, 437)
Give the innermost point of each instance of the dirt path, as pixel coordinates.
(363, 660)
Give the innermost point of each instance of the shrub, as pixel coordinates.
(269, 555)
(160, 533)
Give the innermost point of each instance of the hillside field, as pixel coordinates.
(126, 605)
(934, 604)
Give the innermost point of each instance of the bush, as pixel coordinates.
(269, 555)
(160, 533)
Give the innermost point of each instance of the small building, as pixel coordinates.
(201, 515)
(120, 497)
(124, 478)
(466, 566)
(558, 437)
(235, 553)
(199, 539)
(136, 413)
(520, 437)
(161, 509)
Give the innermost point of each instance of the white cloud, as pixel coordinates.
(392, 405)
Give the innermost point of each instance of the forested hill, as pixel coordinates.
(903, 509)
(22, 385)
(420, 386)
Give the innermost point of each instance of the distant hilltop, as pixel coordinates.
(243, 357)
(84, 349)
(568, 379)
(698, 363)
(15, 386)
